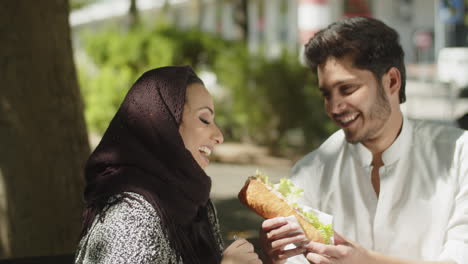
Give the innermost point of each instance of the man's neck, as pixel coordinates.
(389, 134)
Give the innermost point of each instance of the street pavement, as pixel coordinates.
(234, 217)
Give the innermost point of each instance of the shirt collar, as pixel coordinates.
(401, 145)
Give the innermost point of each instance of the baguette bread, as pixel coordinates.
(267, 203)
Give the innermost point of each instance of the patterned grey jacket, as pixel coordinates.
(131, 232)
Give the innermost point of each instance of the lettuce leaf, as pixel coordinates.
(325, 230)
(292, 193)
(263, 178)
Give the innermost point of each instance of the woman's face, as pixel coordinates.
(198, 129)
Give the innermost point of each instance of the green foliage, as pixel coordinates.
(120, 58)
(267, 101)
(103, 94)
(77, 4)
(271, 99)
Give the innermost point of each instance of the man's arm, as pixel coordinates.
(348, 252)
(276, 233)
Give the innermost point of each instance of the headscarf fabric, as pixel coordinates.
(142, 151)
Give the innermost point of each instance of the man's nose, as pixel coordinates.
(336, 105)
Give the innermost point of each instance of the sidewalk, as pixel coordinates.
(228, 179)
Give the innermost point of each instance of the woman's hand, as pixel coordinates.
(275, 234)
(343, 252)
(240, 251)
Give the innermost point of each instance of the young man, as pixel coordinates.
(397, 187)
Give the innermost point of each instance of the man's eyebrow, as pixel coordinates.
(206, 107)
(338, 83)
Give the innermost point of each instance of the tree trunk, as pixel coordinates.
(134, 18)
(43, 142)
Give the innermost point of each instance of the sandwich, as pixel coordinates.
(273, 200)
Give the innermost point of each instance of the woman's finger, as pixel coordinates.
(239, 242)
(246, 247)
(255, 261)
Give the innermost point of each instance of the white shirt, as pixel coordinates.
(422, 210)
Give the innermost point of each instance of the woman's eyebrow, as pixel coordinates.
(206, 107)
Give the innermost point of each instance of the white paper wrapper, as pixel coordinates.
(323, 217)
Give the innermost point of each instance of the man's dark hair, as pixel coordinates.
(371, 44)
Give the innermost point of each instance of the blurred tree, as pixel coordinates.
(270, 100)
(241, 18)
(43, 141)
(199, 7)
(166, 8)
(134, 18)
(77, 4)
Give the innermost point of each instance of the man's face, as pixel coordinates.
(354, 100)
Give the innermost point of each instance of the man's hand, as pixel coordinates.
(344, 251)
(275, 234)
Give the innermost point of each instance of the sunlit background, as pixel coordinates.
(248, 53)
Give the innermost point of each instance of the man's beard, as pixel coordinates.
(379, 112)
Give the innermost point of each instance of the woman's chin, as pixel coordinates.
(203, 162)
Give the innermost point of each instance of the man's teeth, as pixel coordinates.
(205, 150)
(348, 119)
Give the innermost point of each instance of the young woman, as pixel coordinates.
(146, 192)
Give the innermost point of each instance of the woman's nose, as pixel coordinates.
(218, 135)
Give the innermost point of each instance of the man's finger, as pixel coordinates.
(283, 231)
(273, 223)
(318, 259)
(284, 254)
(322, 249)
(339, 239)
(293, 238)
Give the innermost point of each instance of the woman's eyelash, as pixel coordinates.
(204, 121)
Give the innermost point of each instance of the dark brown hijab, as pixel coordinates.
(143, 152)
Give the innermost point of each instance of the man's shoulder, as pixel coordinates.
(436, 133)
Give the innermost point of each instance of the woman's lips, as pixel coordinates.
(205, 150)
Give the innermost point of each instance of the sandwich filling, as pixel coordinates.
(291, 194)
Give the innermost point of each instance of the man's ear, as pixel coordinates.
(393, 77)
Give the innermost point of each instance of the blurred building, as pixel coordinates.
(425, 26)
